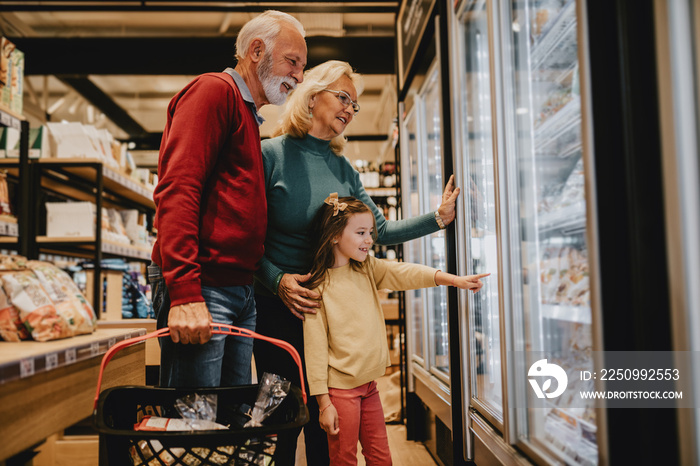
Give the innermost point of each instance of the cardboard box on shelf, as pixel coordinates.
(9, 139)
(70, 219)
(38, 144)
(69, 140)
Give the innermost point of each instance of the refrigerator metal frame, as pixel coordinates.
(404, 117)
(677, 27)
(431, 386)
(434, 73)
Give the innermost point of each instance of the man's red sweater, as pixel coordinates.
(211, 212)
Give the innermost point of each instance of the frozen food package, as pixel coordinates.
(36, 309)
(67, 298)
(11, 327)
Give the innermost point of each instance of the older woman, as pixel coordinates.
(302, 166)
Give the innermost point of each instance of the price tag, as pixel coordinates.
(26, 368)
(94, 348)
(112, 342)
(11, 229)
(8, 120)
(70, 356)
(51, 361)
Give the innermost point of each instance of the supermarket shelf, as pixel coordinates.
(568, 220)
(150, 325)
(576, 314)
(381, 192)
(11, 166)
(566, 119)
(55, 381)
(8, 227)
(554, 47)
(114, 181)
(37, 357)
(88, 243)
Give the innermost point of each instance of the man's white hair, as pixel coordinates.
(265, 27)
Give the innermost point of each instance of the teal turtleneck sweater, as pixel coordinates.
(299, 175)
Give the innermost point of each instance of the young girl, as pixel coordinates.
(345, 342)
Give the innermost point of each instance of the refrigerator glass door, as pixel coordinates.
(415, 307)
(477, 158)
(556, 309)
(436, 297)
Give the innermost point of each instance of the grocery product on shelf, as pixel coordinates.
(40, 301)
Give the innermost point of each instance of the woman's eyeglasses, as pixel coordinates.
(345, 100)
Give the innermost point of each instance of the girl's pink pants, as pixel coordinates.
(361, 417)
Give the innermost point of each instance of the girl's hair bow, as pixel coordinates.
(337, 206)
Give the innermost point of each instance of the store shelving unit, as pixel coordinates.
(87, 180)
(14, 235)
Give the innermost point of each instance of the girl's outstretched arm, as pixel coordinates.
(468, 282)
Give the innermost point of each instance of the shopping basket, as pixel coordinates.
(118, 409)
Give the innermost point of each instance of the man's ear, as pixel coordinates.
(256, 50)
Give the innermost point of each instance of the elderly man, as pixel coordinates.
(210, 205)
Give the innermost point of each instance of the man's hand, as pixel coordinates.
(190, 323)
(298, 299)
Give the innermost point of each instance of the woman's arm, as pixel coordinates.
(400, 231)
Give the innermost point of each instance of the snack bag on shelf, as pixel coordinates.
(11, 327)
(36, 310)
(12, 262)
(67, 298)
(4, 196)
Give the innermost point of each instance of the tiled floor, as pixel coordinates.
(403, 452)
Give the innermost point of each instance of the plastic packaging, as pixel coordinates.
(195, 408)
(273, 389)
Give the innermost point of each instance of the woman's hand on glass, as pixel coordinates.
(298, 299)
(447, 211)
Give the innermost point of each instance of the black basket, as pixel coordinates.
(119, 408)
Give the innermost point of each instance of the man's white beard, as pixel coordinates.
(272, 84)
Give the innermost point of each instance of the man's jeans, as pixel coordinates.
(224, 360)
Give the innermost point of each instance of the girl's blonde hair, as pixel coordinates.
(325, 228)
(295, 119)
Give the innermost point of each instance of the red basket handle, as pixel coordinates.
(222, 329)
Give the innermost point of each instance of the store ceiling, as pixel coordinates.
(117, 64)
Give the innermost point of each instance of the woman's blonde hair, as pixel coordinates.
(325, 228)
(295, 119)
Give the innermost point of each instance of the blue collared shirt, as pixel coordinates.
(245, 93)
